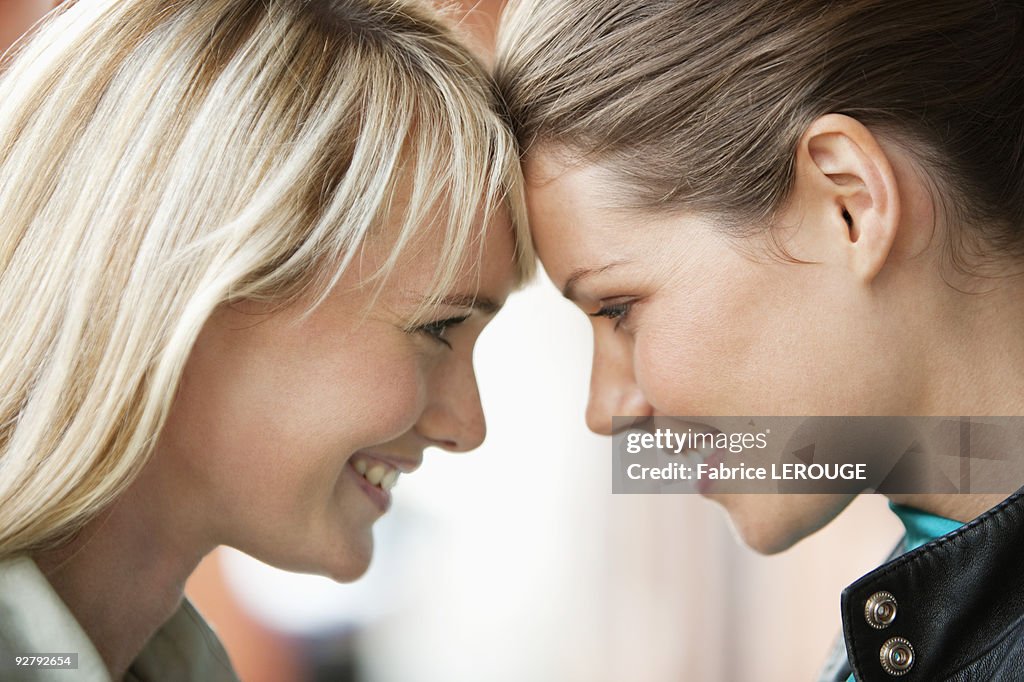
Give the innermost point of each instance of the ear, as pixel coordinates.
(848, 178)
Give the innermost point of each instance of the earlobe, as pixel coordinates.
(858, 186)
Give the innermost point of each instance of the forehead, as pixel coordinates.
(488, 264)
(584, 224)
(574, 218)
(485, 266)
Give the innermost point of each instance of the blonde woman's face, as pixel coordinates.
(684, 324)
(288, 431)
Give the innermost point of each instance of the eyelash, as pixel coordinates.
(614, 311)
(437, 328)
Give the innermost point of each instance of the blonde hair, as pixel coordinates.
(159, 158)
(700, 105)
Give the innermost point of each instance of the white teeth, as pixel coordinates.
(692, 457)
(389, 480)
(375, 474)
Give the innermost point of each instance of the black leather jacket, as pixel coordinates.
(950, 610)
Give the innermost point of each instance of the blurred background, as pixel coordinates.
(516, 563)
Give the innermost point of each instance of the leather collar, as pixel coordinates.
(954, 599)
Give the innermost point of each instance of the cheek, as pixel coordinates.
(736, 343)
(279, 427)
(384, 396)
(351, 393)
(665, 373)
(688, 354)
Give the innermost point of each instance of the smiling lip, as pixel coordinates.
(376, 474)
(711, 459)
(704, 485)
(381, 498)
(405, 466)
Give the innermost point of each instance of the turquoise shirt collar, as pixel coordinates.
(921, 526)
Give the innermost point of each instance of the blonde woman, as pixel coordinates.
(796, 207)
(246, 250)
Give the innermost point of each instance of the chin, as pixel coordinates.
(763, 538)
(342, 561)
(347, 573)
(340, 569)
(351, 563)
(770, 524)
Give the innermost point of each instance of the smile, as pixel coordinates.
(376, 472)
(693, 457)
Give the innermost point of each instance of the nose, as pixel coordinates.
(453, 418)
(613, 387)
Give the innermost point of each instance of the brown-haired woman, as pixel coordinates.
(800, 207)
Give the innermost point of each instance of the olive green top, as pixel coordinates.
(34, 620)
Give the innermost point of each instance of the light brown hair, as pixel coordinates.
(701, 104)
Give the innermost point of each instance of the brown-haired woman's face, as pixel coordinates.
(686, 323)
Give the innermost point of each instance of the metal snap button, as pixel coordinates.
(880, 610)
(897, 656)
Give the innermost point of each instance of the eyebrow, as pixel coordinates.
(569, 290)
(485, 305)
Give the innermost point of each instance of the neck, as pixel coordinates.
(961, 508)
(968, 361)
(966, 355)
(124, 574)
